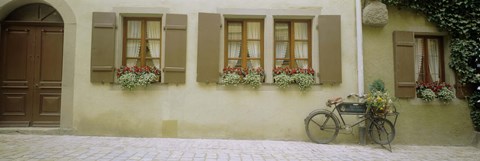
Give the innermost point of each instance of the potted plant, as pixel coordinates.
(281, 77)
(254, 77)
(232, 76)
(429, 91)
(133, 76)
(304, 78)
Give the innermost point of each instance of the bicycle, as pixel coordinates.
(322, 125)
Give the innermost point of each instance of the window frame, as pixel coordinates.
(441, 58)
(244, 42)
(143, 40)
(292, 41)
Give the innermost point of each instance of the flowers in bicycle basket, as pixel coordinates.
(304, 78)
(378, 99)
(133, 76)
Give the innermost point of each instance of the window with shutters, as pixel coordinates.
(244, 43)
(141, 41)
(293, 43)
(429, 66)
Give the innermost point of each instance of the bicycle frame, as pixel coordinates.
(353, 108)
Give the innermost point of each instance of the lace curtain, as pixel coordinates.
(301, 47)
(253, 45)
(153, 32)
(418, 58)
(234, 47)
(433, 59)
(281, 47)
(133, 46)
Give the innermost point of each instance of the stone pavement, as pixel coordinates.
(67, 147)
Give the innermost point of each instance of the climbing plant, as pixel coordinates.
(461, 19)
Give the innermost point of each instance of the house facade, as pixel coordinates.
(191, 42)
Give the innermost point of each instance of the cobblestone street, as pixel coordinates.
(65, 147)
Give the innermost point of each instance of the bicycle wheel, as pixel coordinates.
(381, 131)
(322, 127)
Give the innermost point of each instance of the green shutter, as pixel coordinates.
(103, 47)
(175, 48)
(330, 49)
(208, 48)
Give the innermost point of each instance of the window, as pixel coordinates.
(244, 43)
(293, 43)
(141, 42)
(429, 59)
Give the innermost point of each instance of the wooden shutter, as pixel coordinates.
(404, 44)
(175, 48)
(103, 47)
(330, 49)
(208, 49)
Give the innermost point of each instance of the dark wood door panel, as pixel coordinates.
(31, 75)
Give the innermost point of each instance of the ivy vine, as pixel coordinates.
(461, 19)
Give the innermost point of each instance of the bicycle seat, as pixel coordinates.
(334, 101)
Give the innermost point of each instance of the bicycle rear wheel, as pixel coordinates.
(381, 131)
(322, 127)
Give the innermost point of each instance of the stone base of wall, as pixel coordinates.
(36, 131)
(476, 139)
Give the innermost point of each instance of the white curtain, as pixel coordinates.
(433, 59)
(281, 48)
(153, 32)
(301, 47)
(418, 57)
(253, 34)
(133, 46)
(234, 33)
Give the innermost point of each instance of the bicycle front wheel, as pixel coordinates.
(381, 131)
(322, 127)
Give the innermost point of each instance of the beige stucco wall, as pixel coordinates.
(198, 110)
(419, 122)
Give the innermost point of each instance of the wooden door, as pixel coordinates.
(31, 75)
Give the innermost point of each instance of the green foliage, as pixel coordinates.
(304, 81)
(461, 19)
(231, 79)
(253, 80)
(445, 95)
(475, 115)
(427, 95)
(282, 80)
(377, 85)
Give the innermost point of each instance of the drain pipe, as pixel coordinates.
(358, 10)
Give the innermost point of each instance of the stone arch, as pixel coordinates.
(66, 118)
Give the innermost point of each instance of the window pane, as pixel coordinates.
(301, 49)
(301, 30)
(253, 63)
(282, 50)
(133, 48)
(133, 62)
(153, 62)
(234, 31)
(153, 29)
(254, 49)
(153, 47)
(234, 49)
(281, 31)
(235, 63)
(302, 63)
(253, 30)
(134, 29)
(433, 59)
(282, 63)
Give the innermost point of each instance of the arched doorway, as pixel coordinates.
(31, 67)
